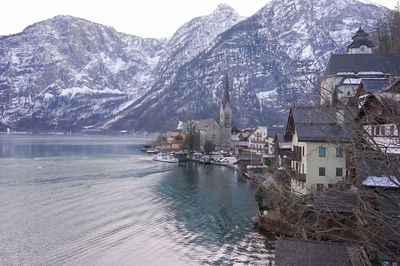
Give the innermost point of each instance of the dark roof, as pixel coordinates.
(272, 131)
(355, 63)
(310, 253)
(389, 203)
(390, 105)
(203, 124)
(319, 123)
(314, 114)
(372, 85)
(394, 87)
(281, 137)
(375, 164)
(359, 39)
(321, 133)
(335, 201)
(392, 240)
(249, 157)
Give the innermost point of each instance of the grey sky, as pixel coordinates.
(145, 18)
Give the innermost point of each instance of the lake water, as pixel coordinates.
(75, 200)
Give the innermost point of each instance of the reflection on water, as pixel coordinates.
(88, 200)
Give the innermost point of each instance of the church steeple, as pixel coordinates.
(225, 118)
(361, 44)
(225, 99)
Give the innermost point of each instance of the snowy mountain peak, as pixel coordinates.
(224, 8)
(196, 35)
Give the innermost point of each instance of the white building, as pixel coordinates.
(345, 72)
(258, 140)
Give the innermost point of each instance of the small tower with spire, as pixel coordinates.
(361, 44)
(225, 118)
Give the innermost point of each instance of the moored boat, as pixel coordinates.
(166, 158)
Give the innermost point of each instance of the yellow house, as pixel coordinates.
(317, 149)
(176, 139)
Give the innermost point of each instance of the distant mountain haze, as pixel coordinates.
(68, 73)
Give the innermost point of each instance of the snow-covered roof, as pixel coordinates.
(381, 181)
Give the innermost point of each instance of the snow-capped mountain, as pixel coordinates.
(66, 73)
(71, 73)
(269, 57)
(195, 36)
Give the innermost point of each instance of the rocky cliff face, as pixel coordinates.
(272, 58)
(67, 73)
(70, 73)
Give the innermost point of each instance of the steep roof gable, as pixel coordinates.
(356, 63)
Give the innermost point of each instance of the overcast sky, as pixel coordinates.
(145, 18)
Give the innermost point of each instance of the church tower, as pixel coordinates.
(225, 118)
(361, 44)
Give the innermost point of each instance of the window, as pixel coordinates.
(339, 152)
(339, 171)
(322, 171)
(320, 187)
(392, 130)
(322, 151)
(377, 130)
(303, 150)
(383, 131)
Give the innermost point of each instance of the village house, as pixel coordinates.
(176, 139)
(282, 149)
(240, 142)
(379, 119)
(258, 140)
(317, 156)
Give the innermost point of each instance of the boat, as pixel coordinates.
(166, 158)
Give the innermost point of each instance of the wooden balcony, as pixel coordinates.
(294, 155)
(300, 177)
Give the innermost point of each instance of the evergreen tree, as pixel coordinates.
(192, 139)
(208, 146)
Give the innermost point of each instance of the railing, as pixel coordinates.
(294, 155)
(263, 141)
(296, 175)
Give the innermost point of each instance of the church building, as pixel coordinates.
(225, 118)
(345, 72)
(219, 134)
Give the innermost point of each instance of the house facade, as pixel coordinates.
(317, 155)
(258, 140)
(176, 139)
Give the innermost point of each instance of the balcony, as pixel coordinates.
(294, 155)
(300, 177)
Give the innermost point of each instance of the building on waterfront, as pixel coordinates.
(317, 155)
(225, 118)
(345, 72)
(258, 139)
(176, 139)
(220, 134)
(208, 130)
